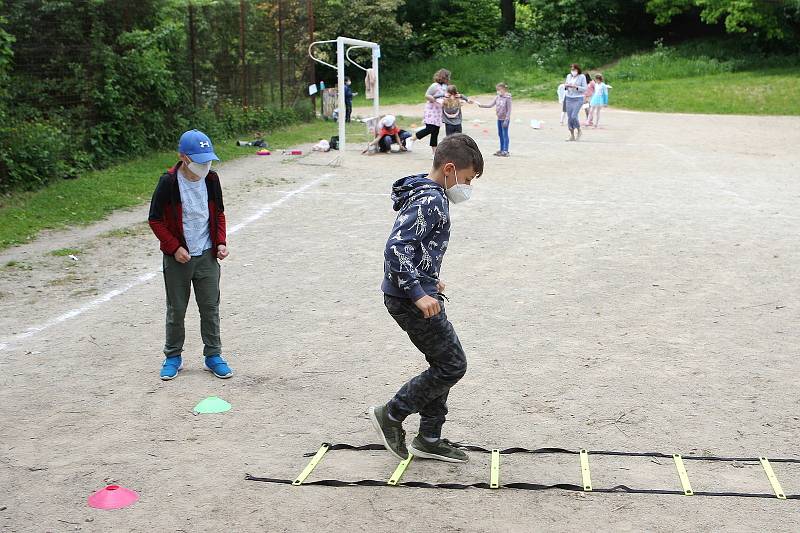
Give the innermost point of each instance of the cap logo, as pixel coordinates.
(204, 144)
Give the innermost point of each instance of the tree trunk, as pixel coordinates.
(509, 13)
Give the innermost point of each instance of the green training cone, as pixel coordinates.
(212, 404)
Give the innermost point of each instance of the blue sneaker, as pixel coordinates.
(217, 366)
(170, 367)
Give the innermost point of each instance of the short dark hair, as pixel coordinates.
(461, 150)
(346, 79)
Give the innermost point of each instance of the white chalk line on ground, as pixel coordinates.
(141, 280)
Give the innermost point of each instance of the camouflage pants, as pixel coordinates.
(427, 393)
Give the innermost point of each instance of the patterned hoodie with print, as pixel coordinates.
(419, 238)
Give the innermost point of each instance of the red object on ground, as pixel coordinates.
(295, 152)
(264, 152)
(113, 497)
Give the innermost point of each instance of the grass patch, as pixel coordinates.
(17, 265)
(695, 77)
(96, 194)
(63, 252)
(130, 231)
(479, 73)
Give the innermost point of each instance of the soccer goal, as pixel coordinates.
(344, 45)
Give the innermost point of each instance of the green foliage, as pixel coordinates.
(449, 27)
(98, 82)
(571, 18)
(767, 20)
(693, 59)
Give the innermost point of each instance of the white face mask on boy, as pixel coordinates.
(460, 192)
(200, 169)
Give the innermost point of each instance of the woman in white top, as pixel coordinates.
(575, 84)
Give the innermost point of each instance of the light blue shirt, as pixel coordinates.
(194, 198)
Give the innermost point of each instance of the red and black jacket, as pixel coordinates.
(166, 212)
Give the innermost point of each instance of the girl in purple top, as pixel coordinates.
(503, 103)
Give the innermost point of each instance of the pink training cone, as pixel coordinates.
(113, 497)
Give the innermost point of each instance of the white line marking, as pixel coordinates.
(33, 330)
(269, 207)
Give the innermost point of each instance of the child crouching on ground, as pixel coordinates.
(388, 133)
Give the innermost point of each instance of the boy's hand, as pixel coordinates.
(222, 252)
(182, 256)
(429, 306)
(440, 286)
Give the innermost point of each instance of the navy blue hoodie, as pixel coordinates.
(416, 246)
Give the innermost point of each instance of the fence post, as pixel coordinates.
(311, 66)
(241, 54)
(192, 52)
(280, 48)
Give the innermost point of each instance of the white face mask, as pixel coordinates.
(201, 169)
(460, 192)
(574, 72)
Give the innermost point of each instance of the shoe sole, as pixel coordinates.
(377, 427)
(425, 455)
(169, 378)
(218, 375)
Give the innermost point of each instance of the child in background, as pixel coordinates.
(451, 110)
(388, 134)
(503, 103)
(348, 98)
(599, 99)
(562, 101)
(587, 96)
(433, 110)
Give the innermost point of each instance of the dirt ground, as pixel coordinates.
(635, 291)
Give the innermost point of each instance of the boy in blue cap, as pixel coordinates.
(188, 217)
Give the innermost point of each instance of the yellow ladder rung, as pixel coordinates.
(312, 464)
(399, 471)
(687, 487)
(494, 479)
(773, 479)
(585, 473)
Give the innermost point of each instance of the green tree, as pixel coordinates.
(768, 20)
(443, 27)
(6, 56)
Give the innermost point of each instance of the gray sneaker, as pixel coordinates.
(391, 433)
(442, 450)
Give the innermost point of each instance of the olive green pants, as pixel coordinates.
(203, 273)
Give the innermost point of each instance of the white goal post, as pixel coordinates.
(343, 47)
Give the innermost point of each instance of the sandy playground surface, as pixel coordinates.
(635, 291)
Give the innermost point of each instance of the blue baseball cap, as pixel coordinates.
(197, 146)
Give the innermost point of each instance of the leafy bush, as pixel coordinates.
(33, 153)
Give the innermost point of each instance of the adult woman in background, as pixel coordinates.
(433, 109)
(575, 84)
